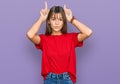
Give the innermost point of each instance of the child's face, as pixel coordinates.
(56, 22)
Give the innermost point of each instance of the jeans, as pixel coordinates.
(53, 78)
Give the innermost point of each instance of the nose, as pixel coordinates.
(57, 22)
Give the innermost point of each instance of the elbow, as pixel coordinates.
(89, 33)
(29, 35)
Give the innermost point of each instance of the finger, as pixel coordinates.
(68, 10)
(65, 6)
(42, 12)
(48, 11)
(46, 7)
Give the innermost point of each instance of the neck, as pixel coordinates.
(56, 33)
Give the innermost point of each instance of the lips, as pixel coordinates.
(57, 26)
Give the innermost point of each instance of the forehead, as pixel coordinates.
(56, 15)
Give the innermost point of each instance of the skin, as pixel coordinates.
(56, 23)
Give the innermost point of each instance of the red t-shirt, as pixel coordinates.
(58, 53)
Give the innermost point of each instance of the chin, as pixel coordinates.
(57, 29)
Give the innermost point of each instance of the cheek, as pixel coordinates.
(61, 23)
(52, 22)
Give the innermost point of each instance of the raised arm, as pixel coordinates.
(85, 31)
(32, 32)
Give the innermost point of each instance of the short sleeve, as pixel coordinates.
(75, 40)
(40, 46)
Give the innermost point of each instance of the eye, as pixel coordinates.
(52, 18)
(61, 19)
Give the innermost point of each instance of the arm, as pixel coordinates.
(85, 31)
(32, 32)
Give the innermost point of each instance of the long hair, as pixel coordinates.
(53, 10)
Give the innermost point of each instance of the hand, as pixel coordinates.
(68, 13)
(44, 12)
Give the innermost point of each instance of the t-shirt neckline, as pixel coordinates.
(57, 35)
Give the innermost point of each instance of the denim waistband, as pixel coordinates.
(64, 75)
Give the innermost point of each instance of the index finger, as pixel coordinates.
(46, 7)
(64, 6)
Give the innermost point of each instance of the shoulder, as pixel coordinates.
(43, 35)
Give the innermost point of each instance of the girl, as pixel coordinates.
(58, 46)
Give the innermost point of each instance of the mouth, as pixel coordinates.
(57, 26)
